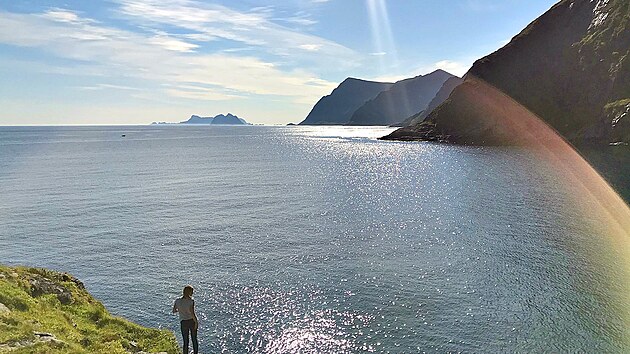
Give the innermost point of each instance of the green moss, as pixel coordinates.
(616, 24)
(617, 104)
(81, 326)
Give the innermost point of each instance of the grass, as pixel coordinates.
(615, 24)
(82, 326)
(617, 104)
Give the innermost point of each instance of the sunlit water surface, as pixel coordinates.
(304, 239)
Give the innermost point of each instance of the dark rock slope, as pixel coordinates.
(439, 98)
(403, 99)
(570, 67)
(338, 107)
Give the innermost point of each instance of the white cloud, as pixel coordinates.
(62, 15)
(113, 52)
(108, 86)
(209, 21)
(311, 47)
(453, 67)
(173, 44)
(301, 18)
(302, 21)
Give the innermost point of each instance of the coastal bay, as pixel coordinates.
(321, 237)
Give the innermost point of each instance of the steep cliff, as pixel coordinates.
(440, 97)
(403, 99)
(570, 67)
(338, 107)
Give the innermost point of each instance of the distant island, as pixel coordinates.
(221, 119)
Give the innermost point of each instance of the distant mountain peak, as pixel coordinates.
(438, 71)
(402, 100)
(356, 101)
(337, 108)
(357, 80)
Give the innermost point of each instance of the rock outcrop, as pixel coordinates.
(42, 311)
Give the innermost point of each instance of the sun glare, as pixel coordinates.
(382, 37)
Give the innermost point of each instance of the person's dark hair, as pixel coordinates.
(188, 290)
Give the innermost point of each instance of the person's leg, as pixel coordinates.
(193, 334)
(185, 328)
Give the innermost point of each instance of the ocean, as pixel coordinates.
(319, 239)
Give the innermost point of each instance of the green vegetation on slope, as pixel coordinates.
(48, 312)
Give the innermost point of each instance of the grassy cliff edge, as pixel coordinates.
(43, 311)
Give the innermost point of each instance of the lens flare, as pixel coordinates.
(479, 113)
(383, 39)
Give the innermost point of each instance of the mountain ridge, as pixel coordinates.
(570, 67)
(403, 99)
(337, 107)
(441, 96)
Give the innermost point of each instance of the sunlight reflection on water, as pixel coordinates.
(301, 237)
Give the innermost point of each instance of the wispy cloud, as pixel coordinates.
(254, 28)
(199, 93)
(161, 59)
(300, 18)
(62, 15)
(108, 86)
(311, 47)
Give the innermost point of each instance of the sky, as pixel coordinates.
(82, 62)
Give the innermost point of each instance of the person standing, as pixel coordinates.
(185, 306)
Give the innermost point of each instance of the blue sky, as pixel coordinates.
(137, 61)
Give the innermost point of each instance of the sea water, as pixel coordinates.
(313, 239)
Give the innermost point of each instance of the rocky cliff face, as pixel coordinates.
(404, 99)
(570, 67)
(440, 97)
(338, 107)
